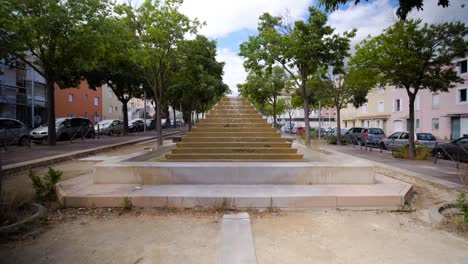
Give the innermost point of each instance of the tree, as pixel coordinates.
(264, 87)
(112, 65)
(301, 50)
(405, 5)
(289, 109)
(198, 76)
(160, 27)
(413, 57)
(54, 38)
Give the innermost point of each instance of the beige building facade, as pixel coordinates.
(375, 113)
(111, 106)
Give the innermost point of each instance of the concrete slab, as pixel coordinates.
(237, 244)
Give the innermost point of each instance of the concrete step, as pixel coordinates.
(386, 195)
(233, 139)
(234, 125)
(233, 115)
(244, 173)
(235, 120)
(233, 145)
(233, 134)
(233, 108)
(233, 129)
(220, 112)
(233, 150)
(235, 156)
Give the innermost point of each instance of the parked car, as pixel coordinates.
(110, 127)
(300, 130)
(288, 129)
(13, 132)
(136, 125)
(343, 131)
(401, 139)
(65, 129)
(456, 150)
(373, 135)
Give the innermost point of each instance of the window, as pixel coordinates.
(8, 124)
(404, 135)
(381, 90)
(380, 106)
(70, 98)
(435, 123)
(110, 94)
(365, 108)
(435, 101)
(110, 109)
(397, 105)
(96, 116)
(86, 97)
(378, 123)
(96, 100)
(462, 95)
(346, 124)
(416, 123)
(395, 135)
(416, 103)
(463, 66)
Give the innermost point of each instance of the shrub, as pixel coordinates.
(463, 206)
(45, 186)
(333, 140)
(422, 153)
(127, 203)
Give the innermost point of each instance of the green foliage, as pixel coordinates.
(54, 38)
(463, 206)
(303, 49)
(406, 6)
(413, 57)
(332, 140)
(45, 186)
(127, 203)
(422, 153)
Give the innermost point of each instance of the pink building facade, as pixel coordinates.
(445, 115)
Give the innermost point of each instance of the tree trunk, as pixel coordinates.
(290, 123)
(338, 127)
(52, 135)
(411, 140)
(274, 112)
(174, 116)
(190, 120)
(125, 117)
(306, 113)
(158, 122)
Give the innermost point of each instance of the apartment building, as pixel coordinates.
(111, 106)
(79, 102)
(444, 114)
(375, 113)
(22, 94)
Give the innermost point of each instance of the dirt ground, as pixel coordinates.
(191, 236)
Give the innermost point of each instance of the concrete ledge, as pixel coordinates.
(237, 244)
(247, 173)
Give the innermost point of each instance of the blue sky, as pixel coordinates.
(230, 22)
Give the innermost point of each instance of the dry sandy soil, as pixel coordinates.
(190, 236)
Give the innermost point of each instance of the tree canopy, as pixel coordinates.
(413, 57)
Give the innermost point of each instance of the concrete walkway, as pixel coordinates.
(17, 157)
(444, 172)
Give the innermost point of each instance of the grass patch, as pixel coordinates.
(422, 153)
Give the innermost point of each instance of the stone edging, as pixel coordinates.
(40, 212)
(435, 212)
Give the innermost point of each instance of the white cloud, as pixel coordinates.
(224, 17)
(234, 72)
(372, 18)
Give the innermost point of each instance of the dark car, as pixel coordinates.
(136, 125)
(456, 150)
(13, 132)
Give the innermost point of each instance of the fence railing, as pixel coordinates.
(450, 152)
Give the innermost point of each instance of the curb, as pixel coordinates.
(76, 154)
(435, 216)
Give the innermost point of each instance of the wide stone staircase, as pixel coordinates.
(233, 131)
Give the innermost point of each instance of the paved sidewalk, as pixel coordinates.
(443, 171)
(16, 155)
